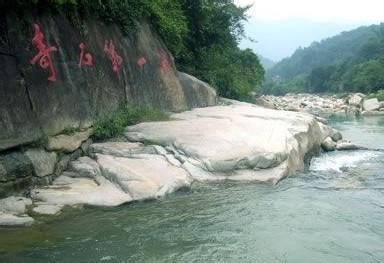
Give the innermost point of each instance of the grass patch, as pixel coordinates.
(114, 124)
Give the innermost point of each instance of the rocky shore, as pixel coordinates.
(353, 104)
(234, 141)
(237, 141)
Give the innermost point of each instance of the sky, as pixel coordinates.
(281, 26)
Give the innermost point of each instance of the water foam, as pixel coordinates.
(341, 159)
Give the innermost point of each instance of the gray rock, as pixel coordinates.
(69, 191)
(68, 143)
(85, 145)
(14, 205)
(143, 176)
(198, 93)
(14, 166)
(62, 164)
(14, 220)
(346, 146)
(328, 144)
(85, 167)
(355, 100)
(336, 135)
(47, 209)
(371, 104)
(42, 161)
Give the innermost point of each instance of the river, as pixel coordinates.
(332, 212)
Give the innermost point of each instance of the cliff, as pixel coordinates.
(59, 74)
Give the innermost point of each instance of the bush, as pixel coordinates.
(114, 124)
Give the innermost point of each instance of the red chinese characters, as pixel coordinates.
(165, 63)
(85, 57)
(116, 60)
(44, 54)
(141, 61)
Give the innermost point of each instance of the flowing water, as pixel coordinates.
(333, 212)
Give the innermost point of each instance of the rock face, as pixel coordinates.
(32, 106)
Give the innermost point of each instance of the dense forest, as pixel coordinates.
(203, 35)
(349, 62)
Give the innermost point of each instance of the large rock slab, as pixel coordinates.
(143, 176)
(226, 141)
(74, 191)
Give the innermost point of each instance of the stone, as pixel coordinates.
(346, 146)
(62, 164)
(371, 104)
(241, 136)
(328, 144)
(13, 220)
(13, 166)
(198, 93)
(355, 100)
(143, 176)
(336, 135)
(68, 191)
(43, 162)
(85, 145)
(47, 209)
(14, 205)
(85, 167)
(68, 143)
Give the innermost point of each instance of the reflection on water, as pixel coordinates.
(331, 213)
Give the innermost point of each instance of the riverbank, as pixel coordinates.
(354, 104)
(236, 142)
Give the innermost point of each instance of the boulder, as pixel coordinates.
(14, 205)
(47, 209)
(371, 104)
(336, 135)
(43, 162)
(12, 211)
(68, 143)
(225, 141)
(328, 144)
(85, 167)
(13, 220)
(197, 92)
(355, 100)
(74, 191)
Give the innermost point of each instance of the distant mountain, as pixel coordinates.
(266, 62)
(349, 61)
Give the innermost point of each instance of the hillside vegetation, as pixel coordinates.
(203, 35)
(351, 61)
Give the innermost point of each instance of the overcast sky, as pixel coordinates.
(280, 26)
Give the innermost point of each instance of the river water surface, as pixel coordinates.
(333, 212)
